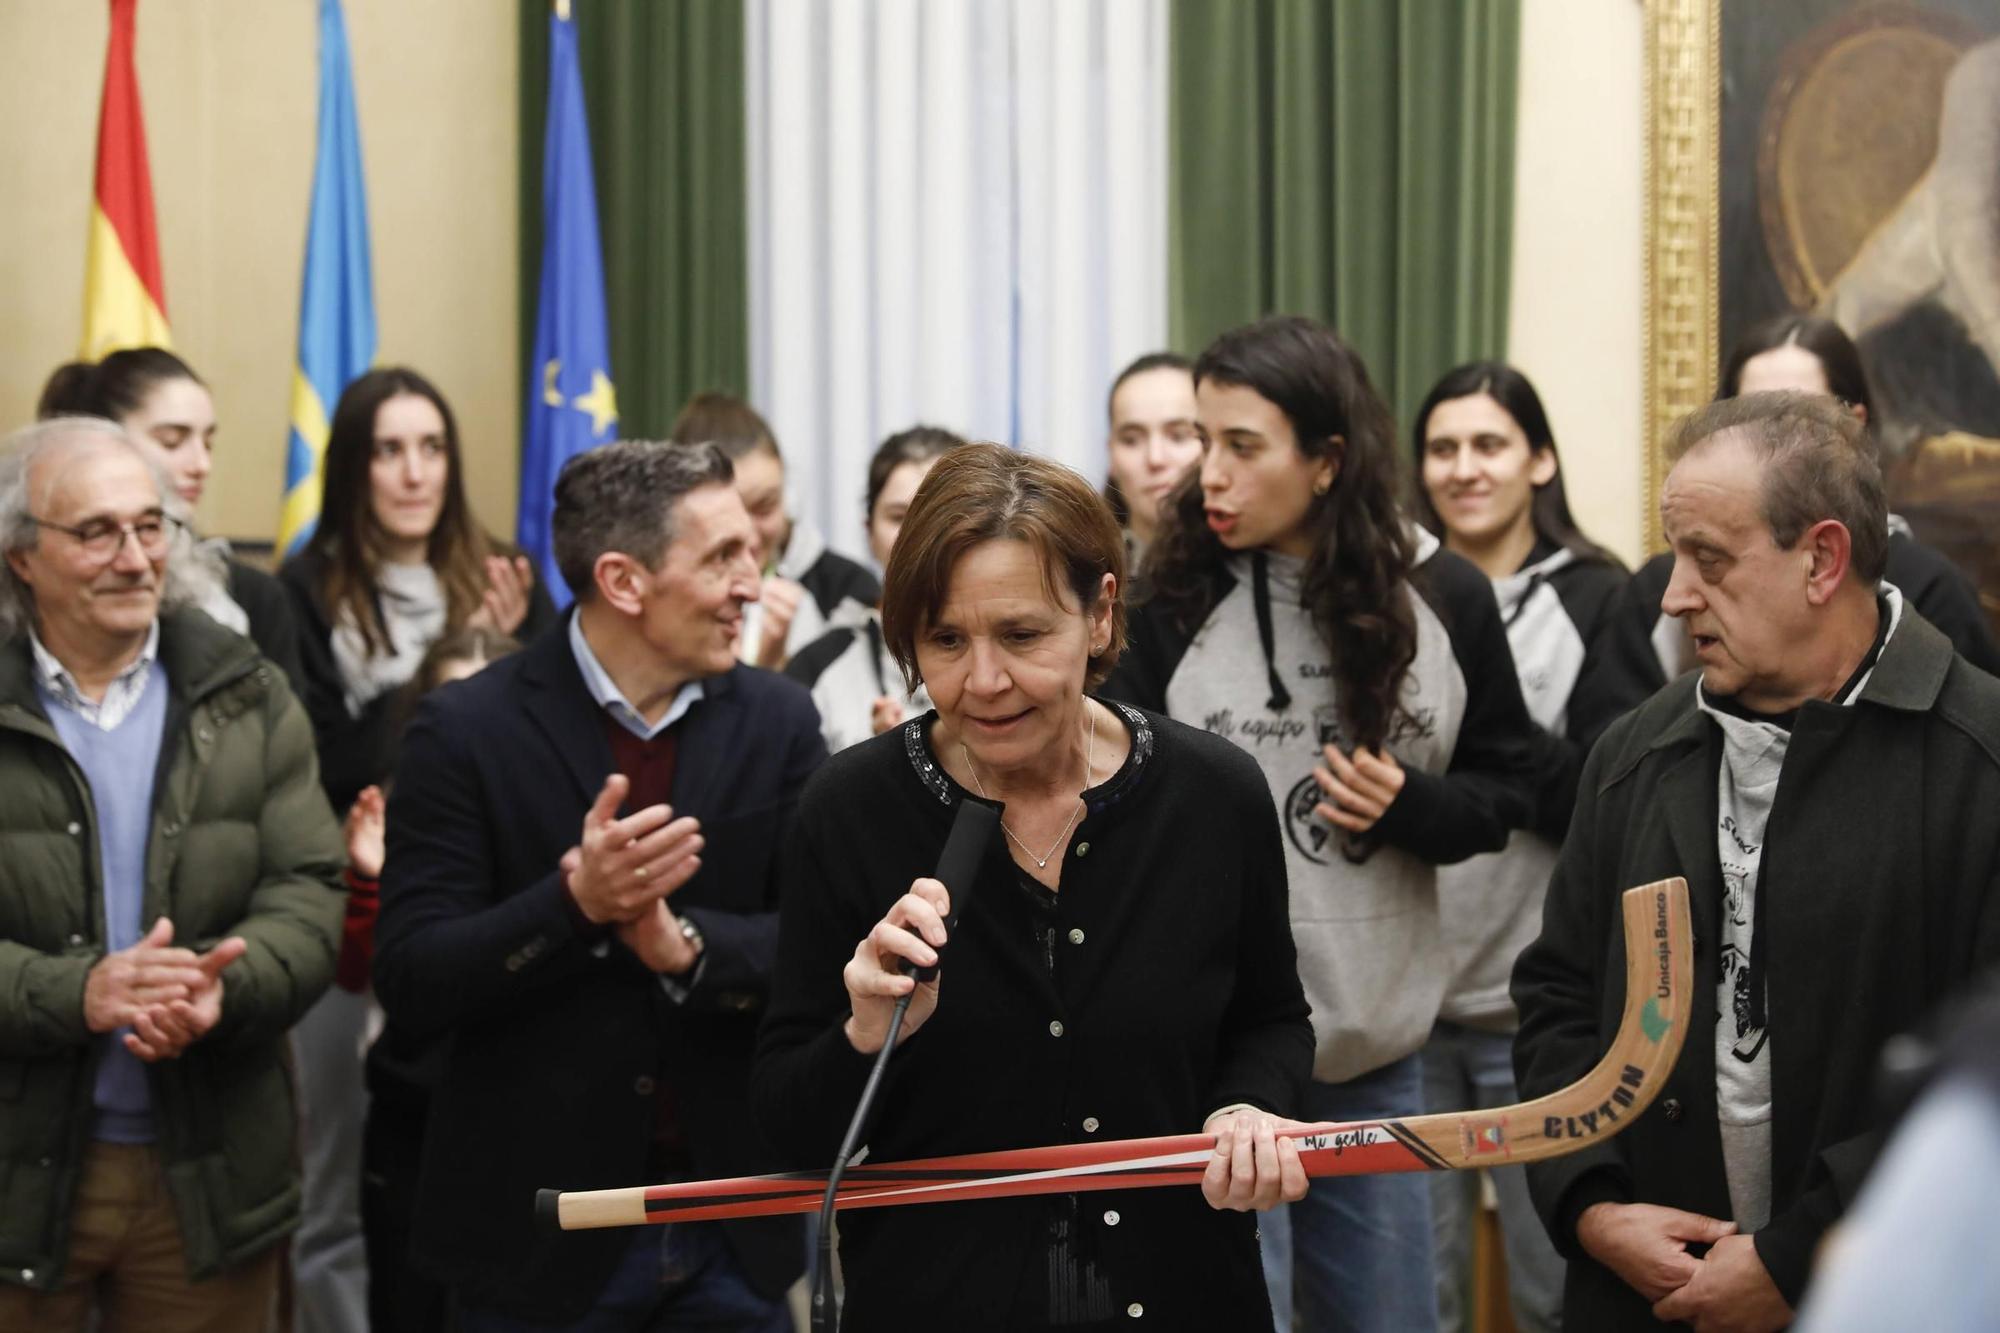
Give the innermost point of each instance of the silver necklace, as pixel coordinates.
(1089, 755)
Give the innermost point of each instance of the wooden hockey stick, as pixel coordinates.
(1659, 971)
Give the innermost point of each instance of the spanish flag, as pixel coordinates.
(124, 299)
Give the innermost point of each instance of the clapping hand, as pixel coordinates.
(624, 867)
(780, 599)
(504, 604)
(170, 997)
(884, 713)
(367, 823)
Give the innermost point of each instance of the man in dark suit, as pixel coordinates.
(581, 895)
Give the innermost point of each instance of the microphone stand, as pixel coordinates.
(971, 829)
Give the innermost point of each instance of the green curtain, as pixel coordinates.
(663, 82)
(1352, 160)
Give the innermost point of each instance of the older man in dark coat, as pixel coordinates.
(169, 906)
(1827, 784)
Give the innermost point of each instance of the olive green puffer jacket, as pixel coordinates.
(242, 843)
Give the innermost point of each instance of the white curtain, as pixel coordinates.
(958, 216)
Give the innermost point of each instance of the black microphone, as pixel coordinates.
(957, 868)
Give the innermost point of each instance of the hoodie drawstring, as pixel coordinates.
(1260, 596)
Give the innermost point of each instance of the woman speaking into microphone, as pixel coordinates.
(1122, 966)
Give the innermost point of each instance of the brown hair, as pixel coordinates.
(988, 492)
(725, 421)
(349, 539)
(1816, 464)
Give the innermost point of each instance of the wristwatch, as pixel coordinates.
(692, 934)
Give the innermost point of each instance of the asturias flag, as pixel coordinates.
(124, 297)
(571, 403)
(337, 305)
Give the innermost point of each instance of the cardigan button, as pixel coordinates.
(1135, 1309)
(1075, 935)
(1111, 1218)
(1082, 850)
(1055, 1027)
(643, 1085)
(1090, 1124)
(1673, 1109)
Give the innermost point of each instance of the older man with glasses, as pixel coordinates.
(169, 906)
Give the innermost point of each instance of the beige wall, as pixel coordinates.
(1576, 319)
(230, 94)
(230, 89)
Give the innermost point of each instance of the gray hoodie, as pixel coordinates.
(1364, 910)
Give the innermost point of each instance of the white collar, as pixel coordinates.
(609, 697)
(57, 680)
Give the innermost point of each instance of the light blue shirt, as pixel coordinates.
(613, 701)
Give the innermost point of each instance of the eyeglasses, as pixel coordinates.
(102, 538)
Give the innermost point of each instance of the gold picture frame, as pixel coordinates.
(1682, 227)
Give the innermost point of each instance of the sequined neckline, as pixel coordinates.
(916, 744)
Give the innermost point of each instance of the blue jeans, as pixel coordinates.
(677, 1278)
(1357, 1249)
(1466, 1069)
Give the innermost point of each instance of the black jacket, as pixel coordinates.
(1174, 992)
(273, 627)
(355, 752)
(1879, 873)
(555, 1051)
(1624, 665)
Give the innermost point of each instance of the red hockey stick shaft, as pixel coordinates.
(1658, 1001)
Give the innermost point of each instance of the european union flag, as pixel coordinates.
(337, 305)
(571, 403)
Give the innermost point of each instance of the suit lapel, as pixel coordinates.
(703, 750)
(559, 706)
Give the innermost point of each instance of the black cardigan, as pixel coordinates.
(356, 751)
(1176, 988)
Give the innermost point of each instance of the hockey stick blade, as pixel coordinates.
(1659, 969)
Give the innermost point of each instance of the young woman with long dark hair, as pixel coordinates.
(1490, 486)
(1292, 609)
(396, 561)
